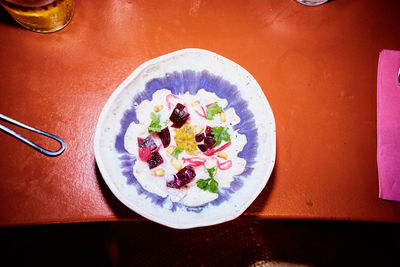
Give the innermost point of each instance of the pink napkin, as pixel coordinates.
(388, 154)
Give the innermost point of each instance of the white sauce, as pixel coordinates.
(190, 194)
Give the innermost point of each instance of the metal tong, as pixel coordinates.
(29, 142)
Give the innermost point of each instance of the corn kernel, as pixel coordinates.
(159, 172)
(222, 155)
(171, 149)
(195, 103)
(176, 163)
(222, 116)
(158, 108)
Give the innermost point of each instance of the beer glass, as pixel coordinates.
(40, 15)
(312, 2)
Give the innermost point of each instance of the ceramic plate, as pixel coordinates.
(183, 71)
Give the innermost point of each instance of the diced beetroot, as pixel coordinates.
(148, 141)
(202, 147)
(155, 160)
(172, 182)
(186, 175)
(179, 116)
(183, 177)
(208, 131)
(199, 137)
(165, 136)
(209, 141)
(140, 142)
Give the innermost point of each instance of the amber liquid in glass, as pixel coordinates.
(50, 17)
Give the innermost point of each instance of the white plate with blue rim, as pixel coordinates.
(188, 70)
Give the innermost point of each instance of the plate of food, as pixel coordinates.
(187, 140)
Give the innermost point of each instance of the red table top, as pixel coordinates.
(317, 67)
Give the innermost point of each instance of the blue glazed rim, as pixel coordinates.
(179, 83)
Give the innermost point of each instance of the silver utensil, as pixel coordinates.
(29, 142)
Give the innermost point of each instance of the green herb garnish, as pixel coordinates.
(212, 171)
(209, 184)
(166, 122)
(155, 125)
(177, 151)
(213, 186)
(220, 133)
(212, 110)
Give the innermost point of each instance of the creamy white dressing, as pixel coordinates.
(189, 194)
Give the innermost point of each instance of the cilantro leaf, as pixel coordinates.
(203, 183)
(212, 110)
(154, 129)
(213, 186)
(166, 122)
(209, 184)
(177, 151)
(212, 171)
(220, 133)
(155, 125)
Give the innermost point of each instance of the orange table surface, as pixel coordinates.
(316, 65)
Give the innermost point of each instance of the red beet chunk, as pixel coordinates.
(179, 116)
(172, 183)
(199, 137)
(209, 141)
(202, 147)
(165, 136)
(155, 160)
(183, 177)
(208, 131)
(148, 141)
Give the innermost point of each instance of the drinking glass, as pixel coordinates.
(40, 15)
(312, 2)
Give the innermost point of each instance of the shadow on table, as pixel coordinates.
(120, 210)
(261, 201)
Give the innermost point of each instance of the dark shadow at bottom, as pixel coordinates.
(242, 242)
